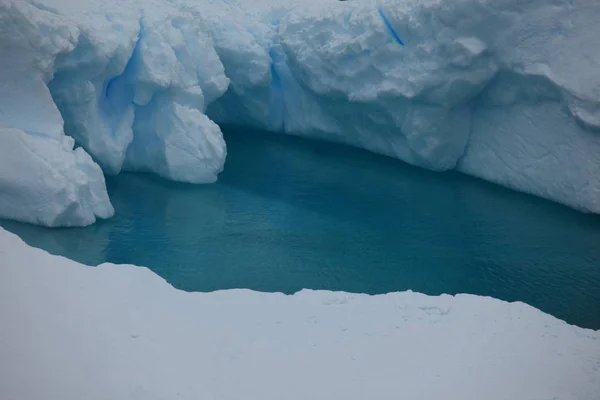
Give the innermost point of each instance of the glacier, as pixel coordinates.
(504, 90)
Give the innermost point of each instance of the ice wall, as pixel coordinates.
(501, 89)
(43, 179)
(504, 90)
(134, 91)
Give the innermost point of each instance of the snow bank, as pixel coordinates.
(120, 332)
(505, 90)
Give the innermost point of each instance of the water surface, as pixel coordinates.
(289, 214)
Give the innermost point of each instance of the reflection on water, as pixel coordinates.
(289, 214)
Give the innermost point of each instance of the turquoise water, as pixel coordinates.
(289, 214)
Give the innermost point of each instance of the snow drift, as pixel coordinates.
(71, 332)
(505, 90)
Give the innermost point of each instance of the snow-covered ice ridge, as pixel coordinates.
(506, 90)
(71, 332)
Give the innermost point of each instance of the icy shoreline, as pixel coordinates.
(121, 332)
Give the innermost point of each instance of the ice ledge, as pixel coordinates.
(121, 332)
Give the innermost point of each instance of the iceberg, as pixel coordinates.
(73, 332)
(504, 90)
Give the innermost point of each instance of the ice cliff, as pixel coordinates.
(505, 90)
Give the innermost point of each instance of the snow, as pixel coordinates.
(44, 181)
(504, 90)
(120, 332)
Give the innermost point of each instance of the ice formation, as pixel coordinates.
(44, 181)
(505, 90)
(121, 332)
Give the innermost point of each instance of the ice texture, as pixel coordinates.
(505, 90)
(44, 181)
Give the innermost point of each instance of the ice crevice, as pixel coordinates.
(395, 35)
(497, 90)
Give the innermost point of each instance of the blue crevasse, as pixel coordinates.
(390, 27)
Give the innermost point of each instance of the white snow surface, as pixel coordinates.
(505, 90)
(72, 332)
(44, 181)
